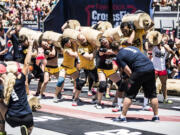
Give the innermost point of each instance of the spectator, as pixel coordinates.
(21, 10)
(3, 49)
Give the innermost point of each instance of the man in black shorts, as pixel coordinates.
(141, 73)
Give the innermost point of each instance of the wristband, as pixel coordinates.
(46, 52)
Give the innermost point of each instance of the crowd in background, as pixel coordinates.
(17, 11)
(172, 4)
(82, 61)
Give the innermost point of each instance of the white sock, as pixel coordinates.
(156, 116)
(120, 102)
(122, 116)
(145, 101)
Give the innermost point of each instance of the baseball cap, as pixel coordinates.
(2, 69)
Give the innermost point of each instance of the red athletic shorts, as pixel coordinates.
(161, 73)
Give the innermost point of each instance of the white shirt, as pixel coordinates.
(159, 58)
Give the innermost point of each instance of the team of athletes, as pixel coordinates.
(122, 62)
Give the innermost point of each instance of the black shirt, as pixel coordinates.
(18, 104)
(135, 59)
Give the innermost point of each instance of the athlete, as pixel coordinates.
(134, 37)
(159, 52)
(14, 107)
(67, 66)
(105, 70)
(140, 71)
(51, 68)
(86, 54)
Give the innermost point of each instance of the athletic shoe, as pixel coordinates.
(37, 94)
(147, 108)
(59, 96)
(93, 101)
(89, 93)
(75, 103)
(55, 100)
(112, 94)
(24, 130)
(117, 108)
(114, 104)
(42, 96)
(119, 119)
(167, 101)
(107, 96)
(77, 99)
(98, 106)
(156, 119)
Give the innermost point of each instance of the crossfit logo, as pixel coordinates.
(99, 12)
(114, 132)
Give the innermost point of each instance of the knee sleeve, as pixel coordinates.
(120, 84)
(60, 81)
(2, 122)
(41, 77)
(80, 83)
(1, 91)
(102, 86)
(30, 77)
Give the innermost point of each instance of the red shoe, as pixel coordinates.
(111, 94)
(89, 93)
(116, 109)
(147, 108)
(74, 103)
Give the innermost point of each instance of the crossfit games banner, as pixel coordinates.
(89, 12)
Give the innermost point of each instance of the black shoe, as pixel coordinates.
(94, 101)
(59, 96)
(37, 94)
(79, 100)
(119, 119)
(42, 96)
(156, 119)
(73, 97)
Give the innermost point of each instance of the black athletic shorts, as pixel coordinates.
(92, 74)
(144, 79)
(26, 120)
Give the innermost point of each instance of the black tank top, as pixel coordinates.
(104, 61)
(18, 104)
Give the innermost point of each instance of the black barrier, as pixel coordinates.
(89, 12)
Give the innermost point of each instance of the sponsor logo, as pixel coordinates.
(29, 22)
(99, 12)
